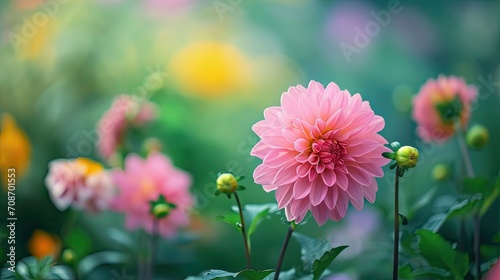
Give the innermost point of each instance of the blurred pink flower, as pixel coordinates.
(320, 150)
(159, 8)
(494, 272)
(124, 111)
(358, 230)
(80, 183)
(434, 125)
(144, 180)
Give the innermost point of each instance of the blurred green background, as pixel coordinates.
(212, 67)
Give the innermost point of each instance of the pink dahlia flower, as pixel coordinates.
(439, 104)
(80, 183)
(320, 151)
(144, 180)
(125, 111)
(494, 272)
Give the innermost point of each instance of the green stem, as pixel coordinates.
(283, 250)
(152, 250)
(465, 154)
(243, 231)
(396, 227)
(477, 245)
(477, 218)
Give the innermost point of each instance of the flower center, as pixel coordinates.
(329, 151)
(450, 111)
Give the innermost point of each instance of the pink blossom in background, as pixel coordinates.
(158, 8)
(357, 231)
(125, 111)
(430, 125)
(144, 180)
(340, 276)
(80, 183)
(494, 272)
(320, 150)
(344, 17)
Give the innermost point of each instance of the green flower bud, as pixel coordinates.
(68, 256)
(152, 145)
(477, 136)
(227, 183)
(441, 172)
(407, 157)
(161, 210)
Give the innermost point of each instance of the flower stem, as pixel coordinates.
(477, 245)
(396, 227)
(476, 218)
(243, 231)
(283, 250)
(465, 155)
(152, 250)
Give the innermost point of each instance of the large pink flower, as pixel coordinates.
(125, 111)
(80, 183)
(439, 104)
(320, 150)
(494, 272)
(144, 180)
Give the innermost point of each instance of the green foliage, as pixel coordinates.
(91, 262)
(32, 269)
(439, 253)
(78, 240)
(254, 215)
(321, 264)
(316, 255)
(460, 208)
(247, 274)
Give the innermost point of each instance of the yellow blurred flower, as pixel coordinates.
(211, 69)
(15, 149)
(89, 165)
(31, 41)
(43, 244)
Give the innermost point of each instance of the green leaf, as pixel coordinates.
(91, 262)
(464, 207)
(290, 274)
(407, 272)
(256, 214)
(78, 241)
(424, 200)
(496, 237)
(247, 274)
(311, 249)
(395, 146)
(439, 253)
(231, 218)
(490, 197)
(321, 264)
(475, 185)
(404, 220)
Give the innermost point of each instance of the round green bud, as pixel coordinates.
(227, 183)
(477, 136)
(441, 172)
(407, 157)
(68, 256)
(161, 210)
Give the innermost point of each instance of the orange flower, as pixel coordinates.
(43, 244)
(15, 149)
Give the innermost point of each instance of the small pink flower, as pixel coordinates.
(494, 272)
(320, 151)
(434, 125)
(125, 111)
(144, 180)
(80, 183)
